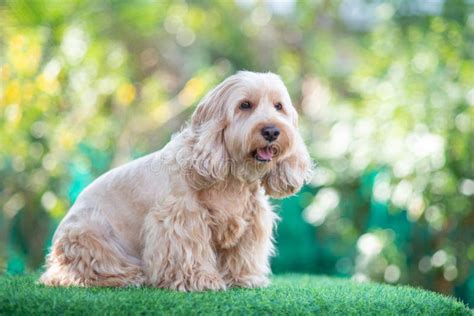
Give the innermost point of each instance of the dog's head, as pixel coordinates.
(247, 127)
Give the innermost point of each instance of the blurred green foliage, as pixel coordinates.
(386, 95)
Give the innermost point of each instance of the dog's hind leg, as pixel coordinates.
(90, 257)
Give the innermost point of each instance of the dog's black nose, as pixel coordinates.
(270, 132)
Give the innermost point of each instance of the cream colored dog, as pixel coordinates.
(193, 216)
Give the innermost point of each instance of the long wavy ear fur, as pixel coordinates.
(209, 157)
(289, 175)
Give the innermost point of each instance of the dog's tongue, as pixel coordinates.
(265, 153)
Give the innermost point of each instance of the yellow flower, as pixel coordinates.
(11, 93)
(24, 53)
(192, 91)
(125, 94)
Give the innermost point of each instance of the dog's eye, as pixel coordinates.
(278, 106)
(246, 105)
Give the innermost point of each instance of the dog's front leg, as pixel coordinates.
(178, 252)
(247, 263)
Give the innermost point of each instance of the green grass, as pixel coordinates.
(288, 294)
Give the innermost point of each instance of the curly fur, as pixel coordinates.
(195, 215)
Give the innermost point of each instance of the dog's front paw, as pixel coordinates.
(250, 281)
(197, 282)
(206, 281)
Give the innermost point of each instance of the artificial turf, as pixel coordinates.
(288, 295)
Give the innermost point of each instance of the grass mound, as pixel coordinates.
(288, 294)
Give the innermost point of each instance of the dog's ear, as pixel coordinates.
(289, 174)
(209, 156)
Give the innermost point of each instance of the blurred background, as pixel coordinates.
(385, 90)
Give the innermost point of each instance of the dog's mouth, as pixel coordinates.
(265, 154)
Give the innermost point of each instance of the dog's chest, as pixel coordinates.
(230, 210)
(231, 202)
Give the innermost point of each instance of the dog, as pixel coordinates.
(194, 215)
